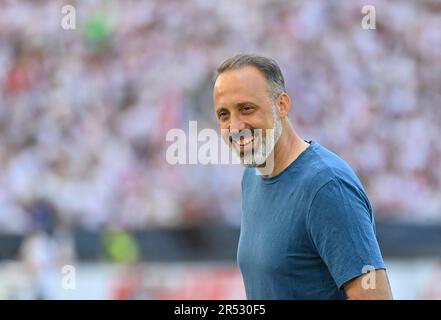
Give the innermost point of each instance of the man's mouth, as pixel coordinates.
(245, 143)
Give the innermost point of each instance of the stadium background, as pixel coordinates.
(84, 113)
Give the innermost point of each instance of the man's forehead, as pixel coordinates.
(245, 80)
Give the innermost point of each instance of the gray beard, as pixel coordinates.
(257, 158)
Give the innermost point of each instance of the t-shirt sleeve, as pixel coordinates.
(341, 226)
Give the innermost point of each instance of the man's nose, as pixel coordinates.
(236, 125)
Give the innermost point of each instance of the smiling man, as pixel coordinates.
(307, 228)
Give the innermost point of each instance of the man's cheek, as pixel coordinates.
(226, 139)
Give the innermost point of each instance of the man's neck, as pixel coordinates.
(286, 150)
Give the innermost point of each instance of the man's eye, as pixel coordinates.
(247, 108)
(222, 115)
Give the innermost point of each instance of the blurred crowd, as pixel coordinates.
(84, 112)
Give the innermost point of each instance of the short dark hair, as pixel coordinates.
(267, 66)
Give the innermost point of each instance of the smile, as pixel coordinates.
(245, 142)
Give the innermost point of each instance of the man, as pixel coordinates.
(307, 228)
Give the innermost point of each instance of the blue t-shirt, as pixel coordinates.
(306, 231)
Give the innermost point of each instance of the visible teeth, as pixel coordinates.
(246, 141)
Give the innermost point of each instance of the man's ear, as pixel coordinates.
(283, 105)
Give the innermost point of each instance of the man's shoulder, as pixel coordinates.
(248, 172)
(248, 177)
(324, 166)
(316, 167)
